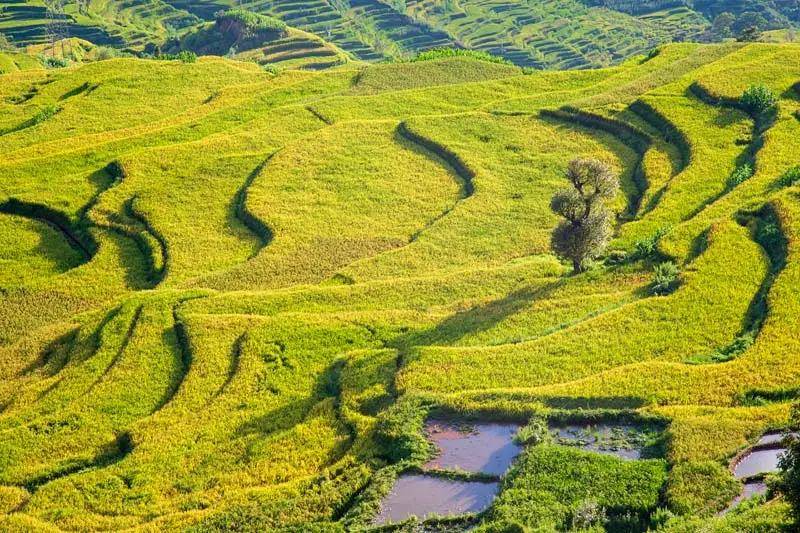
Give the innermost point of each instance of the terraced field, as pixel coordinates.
(562, 34)
(231, 299)
(297, 50)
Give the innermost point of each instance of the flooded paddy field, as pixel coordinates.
(424, 496)
(471, 457)
(487, 448)
(749, 490)
(755, 463)
(626, 441)
(758, 462)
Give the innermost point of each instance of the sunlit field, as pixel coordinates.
(231, 297)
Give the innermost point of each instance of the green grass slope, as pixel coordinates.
(230, 295)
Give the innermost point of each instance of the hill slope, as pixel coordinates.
(264, 40)
(539, 34)
(229, 299)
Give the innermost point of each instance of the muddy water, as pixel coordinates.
(772, 438)
(479, 447)
(750, 489)
(423, 496)
(625, 441)
(758, 462)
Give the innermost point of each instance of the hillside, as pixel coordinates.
(561, 34)
(264, 40)
(230, 299)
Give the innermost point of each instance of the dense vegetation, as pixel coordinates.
(535, 33)
(230, 297)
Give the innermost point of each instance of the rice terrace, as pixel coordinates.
(475, 265)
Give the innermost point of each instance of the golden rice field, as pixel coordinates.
(230, 298)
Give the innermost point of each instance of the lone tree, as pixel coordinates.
(586, 230)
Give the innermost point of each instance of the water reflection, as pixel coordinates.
(479, 447)
(423, 496)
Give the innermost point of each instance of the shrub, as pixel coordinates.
(250, 23)
(270, 68)
(106, 52)
(443, 53)
(790, 177)
(616, 257)
(53, 62)
(739, 345)
(665, 279)
(45, 113)
(660, 517)
(648, 247)
(739, 175)
(536, 432)
(186, 56)
(750, 34)
(653, 53)
(588, 514)
(758, 99)
(586, 230)
(399, 431)
(770, 236)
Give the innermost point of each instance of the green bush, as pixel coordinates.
(665, 278)
(536, 432)
(616, 257)
(758, 99)
(45, 113)
(588, 514)
(648, 247)
(271, 69)
(653, 53)
(736, 347)
(443, 53)
(660, 517)
(185, 56)
(251, 22)
(53, 62)
(770, 236)
(739, 175)
(106, 52)
(790, 177)
(399, 431)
